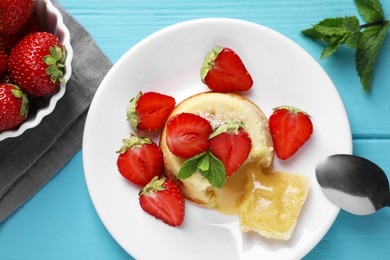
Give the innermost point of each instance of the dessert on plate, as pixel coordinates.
(266, 202)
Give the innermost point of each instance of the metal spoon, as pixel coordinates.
(353, 183)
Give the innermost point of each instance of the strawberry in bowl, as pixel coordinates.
(42, 39)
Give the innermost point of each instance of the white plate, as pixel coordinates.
(169, 62)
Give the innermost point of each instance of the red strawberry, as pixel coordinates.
(139, 160)
(32, 25)
(36, 63)
(223, 71)
(13, 107)
(14, 14)
(232, 145)
(3, 61)
(290, 128)
(8, 41)
(163, 199)
(149, 111)
(188, 135)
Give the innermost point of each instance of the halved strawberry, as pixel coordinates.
(149, 111)
(139, 160)
(290, 128)
(232, 145)
(188, 135)
(163, 199)
(223, 71)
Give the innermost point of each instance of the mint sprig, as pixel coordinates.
(366, 38)
(207, 165)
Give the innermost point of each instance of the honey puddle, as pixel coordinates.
(228, 199)
(269, 203)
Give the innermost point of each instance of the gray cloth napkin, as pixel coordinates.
(27, 162)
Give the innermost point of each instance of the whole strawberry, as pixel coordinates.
(163, 199)
(139, 160)
(13, 107)
(290, 128)
(14, 14)
(37, 63)
(8, 41)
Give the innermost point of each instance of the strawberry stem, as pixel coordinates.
(132, 115)
(134, 142)
(209, 61)
(56, 63)
(18, 93)
(154, 185)
(292, 109)
(230, 127)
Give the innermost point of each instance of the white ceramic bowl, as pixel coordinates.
(51, 20)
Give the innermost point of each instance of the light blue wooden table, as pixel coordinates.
(59, 222)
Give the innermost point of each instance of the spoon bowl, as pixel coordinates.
(353, 183)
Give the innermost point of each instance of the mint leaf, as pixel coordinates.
(331, 27)
(207, 165)
(351, 24)
(334, 43)
(217, 173)
(367, 51)
(189, 167)
(335, 31)
(314, 35)
(338, 31)
(370, 10)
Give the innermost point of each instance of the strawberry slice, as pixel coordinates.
(188, 135)
(149, 111)
(163, 199)
(290, 128)
(223, 71)
(139, 160)
(232, 145)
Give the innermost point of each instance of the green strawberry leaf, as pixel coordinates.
(229, 127)
(367, 52)
(132, 115)
(207, 165)
(55, 61)
(134, 142)
(370, 10)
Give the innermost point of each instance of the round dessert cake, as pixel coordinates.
(219, 108)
